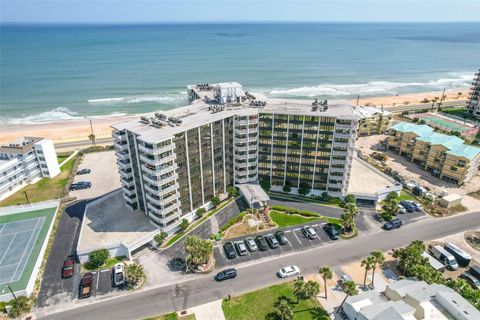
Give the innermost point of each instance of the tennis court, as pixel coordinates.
(445, 124)
(22, 236)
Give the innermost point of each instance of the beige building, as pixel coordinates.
(373, 121)
(447, 157)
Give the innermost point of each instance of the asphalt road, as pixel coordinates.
(457, 103)
(190, 293)
(82, 143)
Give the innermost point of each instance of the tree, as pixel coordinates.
(392, 196)
(284, 309)
(299, 289)
(232, 192)
(184, 225)
(98, 258)
(312, 289)
(352, 209)
(265, 184)
(215, 201)
(409, 257)
(199, 250)
(287, 187)
(368, 264)
(134, 274)
(390, 204)
(379, 259)
(200, 212)
(348, 222)
(350, 289)
(327, 274)
(304, 189)
(160, 237)
(350, 198)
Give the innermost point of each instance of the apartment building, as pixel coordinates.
(176, 162)
(447, 157)
(373, 120)
(25, 161)
(473, 105)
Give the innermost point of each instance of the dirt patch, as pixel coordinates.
(473, 239)
(249, 225)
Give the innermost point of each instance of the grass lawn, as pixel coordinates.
(406, 195)
(172, 316)
(459, 112)
(62, 156)
(302, 199)
(44, 189)
(287, 220)
(107, 265)
(260, 305)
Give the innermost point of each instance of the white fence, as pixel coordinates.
(28, 207)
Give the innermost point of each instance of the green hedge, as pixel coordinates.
(232, 221)
(296, 211)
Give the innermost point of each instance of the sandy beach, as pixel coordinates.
(79, 129)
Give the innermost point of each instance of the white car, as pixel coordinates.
(401, 209)
(119, 274)
(289, 271)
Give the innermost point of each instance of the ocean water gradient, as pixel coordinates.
(67, 71)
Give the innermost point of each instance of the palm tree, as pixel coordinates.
(327, 274)
(351, 208)
(368, 263)
(284, 309)
(350, 289)
(312, 289)
(299, 289)
(134, 274)
(379, 259)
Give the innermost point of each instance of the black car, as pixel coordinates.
(407, 205)
(332, 231)
(272, 241)
(282, 239)
(229, 250)
(83, 171)
(226, 274)
(81, 185)
(394, 224)
(261, 242)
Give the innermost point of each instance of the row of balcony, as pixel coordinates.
(155, 151)
(160, 181)
(159, 172)
(158, 161)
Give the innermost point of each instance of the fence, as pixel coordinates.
(28, 207)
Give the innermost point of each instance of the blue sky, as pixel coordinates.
(127, 11)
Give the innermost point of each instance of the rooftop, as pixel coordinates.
(367, 180)
(20, 145)
(455, 145)
(370, 111)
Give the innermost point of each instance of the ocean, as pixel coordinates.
(53, 72)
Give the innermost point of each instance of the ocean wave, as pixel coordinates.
(138, 99)
(455, 80)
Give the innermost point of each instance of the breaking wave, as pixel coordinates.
(138, 99)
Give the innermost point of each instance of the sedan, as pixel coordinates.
(282, 239)
(252, 246)
(83, 171)
(309, 232)
(417, 206)
(226, 274)
(68, 267)
(272, 241)
(289, 271)
(229, 250)
(241, 248)
(407, 206)
(262, 243)
(80, 185)
(332, 231)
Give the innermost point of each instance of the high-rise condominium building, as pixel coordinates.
(473, 105)
(26, 161)
(174, 163)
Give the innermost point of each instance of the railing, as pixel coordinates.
(27, 207)
(155, 151)
(160, 172)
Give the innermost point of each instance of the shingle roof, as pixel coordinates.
(455, 145)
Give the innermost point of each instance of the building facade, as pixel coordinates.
(26, 161)
(373, 121)
(447, 157)
(174, 163)
(473, 105)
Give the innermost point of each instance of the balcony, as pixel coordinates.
(173, 187)
(128, 191)
(166, 220)
(337, 161)
(125, 174)
(339, 153)
(334, 169)
(341, 144)
(122, 155)
(128, 199)
(155, 151)
(124, 165)
(343, 126)
(342, 135)
(162, 201)
(156, 161)
(240, 140)
(159, 172)
(120, 146)
(159, 182)
(117, 135)
(127, 183)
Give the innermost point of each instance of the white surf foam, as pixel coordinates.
(138, 99)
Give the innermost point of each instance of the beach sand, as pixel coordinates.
(79, 129)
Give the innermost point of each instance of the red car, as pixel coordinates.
(68, 267)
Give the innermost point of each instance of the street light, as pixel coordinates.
(11, 291)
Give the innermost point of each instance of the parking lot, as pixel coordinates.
(296, 241)
(103, 176)
(102, 283)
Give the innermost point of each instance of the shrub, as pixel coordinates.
(350, 198)
(184, 225)
(200, 212)
(215, 201)
(98, 258)
(265, 184)
(160, 237)
(20, 306)
(232, 192)
(134, 274)
(286, 188)
(199, 250)
(304, 189)
(232, 221)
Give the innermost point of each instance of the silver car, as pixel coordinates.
(241, 248)
(252, 246)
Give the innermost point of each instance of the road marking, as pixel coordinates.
(96, 286)
(297, 238)
(105, 270)
(315, 225)
(296, 229)
(288, 241)
(288, 231)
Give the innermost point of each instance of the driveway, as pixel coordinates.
(324, 210)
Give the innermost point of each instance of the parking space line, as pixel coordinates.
(96, 287)
(288, 241)
(315, 225)
(105, 270)
(288, 231)
(297, 237)
(296, 229)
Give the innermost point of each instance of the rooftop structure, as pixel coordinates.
(473, 105)
(373, 120)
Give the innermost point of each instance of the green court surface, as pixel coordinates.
(22, 236)
(444, 124)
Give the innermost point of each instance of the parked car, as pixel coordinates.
(444, 257)
(410, 185)
(419, 191)
(288, 271)
(282, 239)
(309, 232)
(261, 243)
(463, 258)
(86, 285)
(429, 196)
(241, 248)
(394, 224)
(118, 272)
(229, 250)
(473, 281)
(402, 209)
(81, 185)
(332, 231)
(344, 279)
(68, 267)
(83, 171)
(475, 271)
(417, 206)
(272, 241)
(407, 205)
(252, 246)
(226, 274)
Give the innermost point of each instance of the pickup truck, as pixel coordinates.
(68, 267)
(86, 285)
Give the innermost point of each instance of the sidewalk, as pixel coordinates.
(209, 311)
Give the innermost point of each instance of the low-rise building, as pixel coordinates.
(25, 161)
(373, 120)
(447, 157)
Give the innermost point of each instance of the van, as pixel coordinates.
(444, 257)
(461, 256)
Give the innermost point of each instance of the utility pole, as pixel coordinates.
(92, 135)
(358, 99)
(11, 291)
(26, 196)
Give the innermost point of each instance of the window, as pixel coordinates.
(453, 168)
(461, 163)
